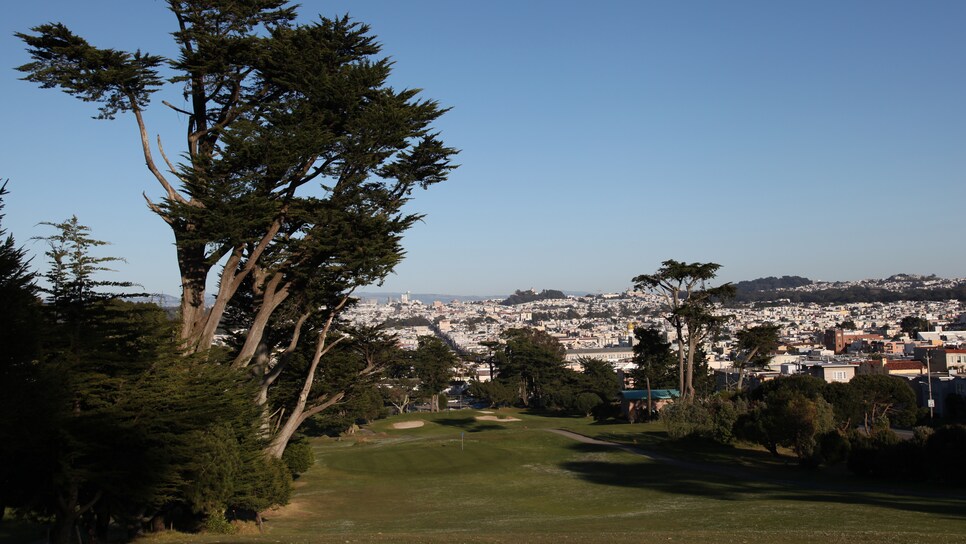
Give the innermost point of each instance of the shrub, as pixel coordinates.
(216, 523)
(267, 482)
(561, 400)
(884, 455)
(921, 434)
(298, 457)
(683, 419)
(587, 402)
(833, 448)
(724, 414)
(944, 451)
(607, 410)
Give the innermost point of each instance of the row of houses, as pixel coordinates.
(934, 373)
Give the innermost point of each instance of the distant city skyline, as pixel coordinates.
(820, 139)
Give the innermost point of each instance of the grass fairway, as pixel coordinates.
(457, 479)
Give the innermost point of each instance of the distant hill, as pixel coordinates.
(892, 289)
(771, 283)
(520, 297)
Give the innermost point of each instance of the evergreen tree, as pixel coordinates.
(433, 363)
(272, 108)
(654, 360)
(688, 303)
(533, 361)
(20, 326)
(117, 424)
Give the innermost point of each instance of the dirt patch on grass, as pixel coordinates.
(496, 418)
(295, 509)
(408, 424)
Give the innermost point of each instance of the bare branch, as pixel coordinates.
(157, 209)
(175, 108)
(148, 158)
(320, 404)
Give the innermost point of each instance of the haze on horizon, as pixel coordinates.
(823, 140)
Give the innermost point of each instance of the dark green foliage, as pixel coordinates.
(944, 452)
(414, 321)
(352, 370)
(833, 448)
(955, 408)
(560, 398)
(298, 457)
(112, 78)
(713, 418)
(883, 455)
(789, 412)
(299, 166)
(600, 378)
(494, 392)
(20, 389)
(858, 293)
(521, 297)
(884, 400)
(686, 419)
(117, 423)
(914, 324)
(688, 308)
(656, 363)
(266, 482)
(809, 386)
(754, 347)
(724, 415)
(532, 360)
(434, 364)
(770, 283)
(531, 365)
(20, 318)
(848, 325)
(846, 405)
(586, 403)
(211, 473)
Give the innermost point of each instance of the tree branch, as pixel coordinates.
(157, 209)
(148, 158)
(175, 108)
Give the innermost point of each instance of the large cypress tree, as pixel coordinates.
(298, 161)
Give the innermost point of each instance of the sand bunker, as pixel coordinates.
(485, 412)
(408, 424)
(495, 418)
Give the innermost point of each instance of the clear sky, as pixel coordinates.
(824, 139)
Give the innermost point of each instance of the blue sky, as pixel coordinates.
(825, 139)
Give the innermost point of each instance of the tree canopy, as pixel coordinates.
(688, 302)
(298, 161)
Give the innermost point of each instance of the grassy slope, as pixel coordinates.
(459, 480)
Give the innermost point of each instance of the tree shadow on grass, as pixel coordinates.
(721, 483)
(469, 424)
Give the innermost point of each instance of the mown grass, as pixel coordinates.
(457, 479)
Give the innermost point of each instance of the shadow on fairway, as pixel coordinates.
(718, 484)
(469, 424)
